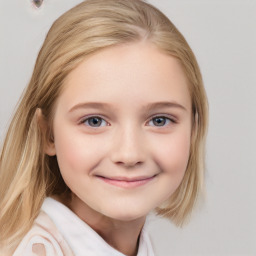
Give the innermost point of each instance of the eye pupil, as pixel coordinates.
(159, 121)
(94, 121)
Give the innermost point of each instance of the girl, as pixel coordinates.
(111, 126)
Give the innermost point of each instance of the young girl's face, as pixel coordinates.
(122, 130)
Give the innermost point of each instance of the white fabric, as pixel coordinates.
(71, 232)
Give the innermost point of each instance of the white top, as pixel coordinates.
(69, 236)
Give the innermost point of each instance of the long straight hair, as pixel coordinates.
(27, 174)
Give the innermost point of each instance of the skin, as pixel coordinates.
(133, 155)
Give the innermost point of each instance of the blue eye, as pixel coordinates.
(95, 121)
(160, 121)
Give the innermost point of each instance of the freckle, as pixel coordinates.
(39, 249)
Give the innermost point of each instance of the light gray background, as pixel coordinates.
(223, 37)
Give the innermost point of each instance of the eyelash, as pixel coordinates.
(91, 117)
(167, 118)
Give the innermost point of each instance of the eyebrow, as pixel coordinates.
(148, 107)
(163, 104)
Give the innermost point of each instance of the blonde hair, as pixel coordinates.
(27, 174)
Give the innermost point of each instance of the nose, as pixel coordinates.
(128, 148)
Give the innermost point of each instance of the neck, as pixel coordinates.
(121, 235)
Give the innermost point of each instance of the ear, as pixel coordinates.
(48, 140)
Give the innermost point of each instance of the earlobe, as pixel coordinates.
(49, 148)
(47, 138)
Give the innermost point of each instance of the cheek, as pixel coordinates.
(174, 154)
(77, 153)
(70, 150)
(172, 159)
(67, 151)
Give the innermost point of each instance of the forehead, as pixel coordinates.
(134, 74)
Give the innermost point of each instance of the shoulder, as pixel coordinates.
(43, 239)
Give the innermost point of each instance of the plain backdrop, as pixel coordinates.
(222, 34)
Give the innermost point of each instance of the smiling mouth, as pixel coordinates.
(124, 182)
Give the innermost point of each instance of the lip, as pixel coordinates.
(126, 182)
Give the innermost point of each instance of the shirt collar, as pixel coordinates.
(81, 237)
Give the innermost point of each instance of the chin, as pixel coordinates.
(127, 215)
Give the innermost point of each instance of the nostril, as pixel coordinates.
(129, 163)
